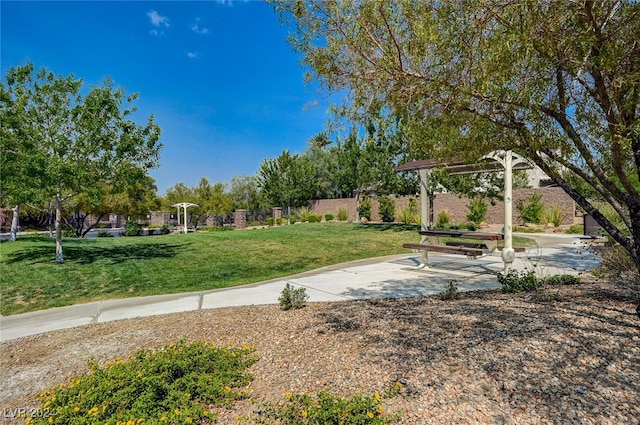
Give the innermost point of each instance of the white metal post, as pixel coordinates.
(508, 254)
(424, 218)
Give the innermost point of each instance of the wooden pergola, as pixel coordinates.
(496, 161)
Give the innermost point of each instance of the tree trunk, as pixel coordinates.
(59, 256)
(357, 207)
(15, 221)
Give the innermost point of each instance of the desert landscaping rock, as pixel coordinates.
(486, 358)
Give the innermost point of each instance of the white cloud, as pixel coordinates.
(157, 20)
(195, 28)
(192, 55)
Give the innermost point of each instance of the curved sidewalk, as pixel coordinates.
(384, 277)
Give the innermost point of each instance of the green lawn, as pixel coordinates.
(102, 268)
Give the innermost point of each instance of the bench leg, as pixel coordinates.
(425, 260)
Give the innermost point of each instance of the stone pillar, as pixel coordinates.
(277, 215)
(240, 219)
(158, 218)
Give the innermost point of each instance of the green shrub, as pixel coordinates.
(365, 208)
(554, 215)
(132, 229)
(521, 229)
(616, 261)
(469, 225)
(477, 210)
(519, 281)
(530, 208)
(451, 293)
(387, 209)
(326, 408)
(104, 234)
(562, 279)
(69, 232)
(292, 299)
(164, 230)
(575, 229)
(443, 219)
(170, 385)
(328, 217)
(314, 218)
(304, 213)
(343, 214)
(280, 221)
(409, 214)
(269, 221)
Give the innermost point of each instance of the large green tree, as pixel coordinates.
(287, 180)
(62, 140)
(555, 81)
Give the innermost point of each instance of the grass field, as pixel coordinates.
(103, 268)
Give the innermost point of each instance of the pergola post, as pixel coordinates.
(508, 253)
(424, 195)
(184, 205)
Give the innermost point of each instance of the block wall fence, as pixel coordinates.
(456, 206)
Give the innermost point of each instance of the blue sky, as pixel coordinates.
(219, 76)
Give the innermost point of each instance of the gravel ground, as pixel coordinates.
(487, 357)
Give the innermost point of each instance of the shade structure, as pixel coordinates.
(497, 161)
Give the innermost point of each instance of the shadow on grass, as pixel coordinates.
(88, 252)
(383, 227)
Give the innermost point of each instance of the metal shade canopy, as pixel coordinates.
(496, 161)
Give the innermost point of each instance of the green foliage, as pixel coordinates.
(616, 262)
(304, 213)
(451, 293)
(170, 385)
(364, 208)
(554, 215)
(315, 218)
(532, 82)
(343, 214)
(443, 219)
(519, 281)
(562, 279)
(287, 181)
(409, 214)
(387, 209)
(69, 232)
(527, 229)
(530, 208)
(575, 229)
(292, 299)
(133, 267)
(325, 408)
(164, 230)
(104, 234)
(477, 210)
(328, 217)
(71, 144)
(469, 225)
(132, 228)
(269, 221)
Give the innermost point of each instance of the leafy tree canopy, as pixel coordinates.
(58, 142)
(556, 81)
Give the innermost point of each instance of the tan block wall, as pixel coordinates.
(456, 206)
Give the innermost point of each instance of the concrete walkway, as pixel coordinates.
(385, 277)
